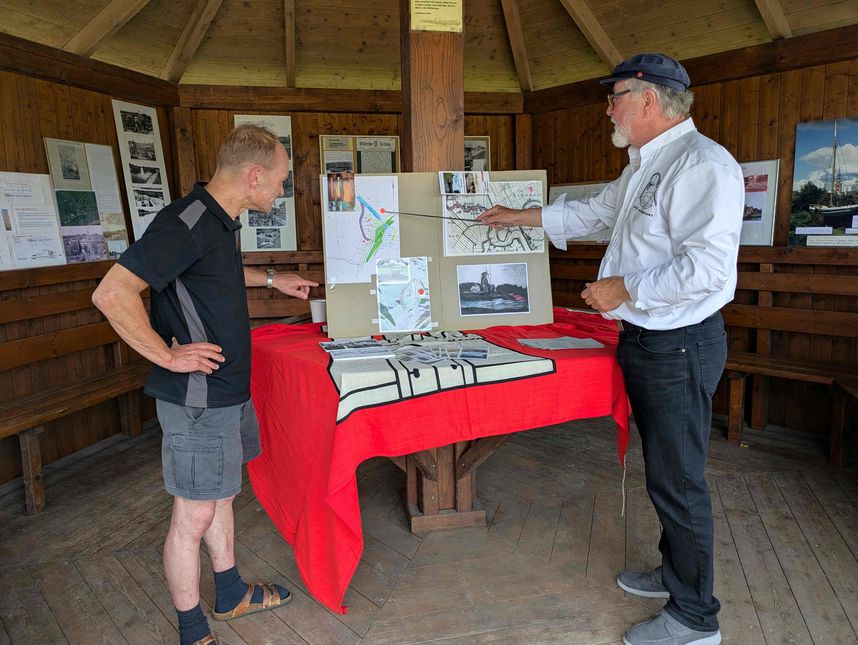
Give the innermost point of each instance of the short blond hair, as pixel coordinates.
(248, 143)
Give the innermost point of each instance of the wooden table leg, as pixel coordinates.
(440, 489)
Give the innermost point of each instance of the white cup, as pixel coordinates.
(318, 310)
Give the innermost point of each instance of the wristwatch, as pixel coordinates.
(270, 282)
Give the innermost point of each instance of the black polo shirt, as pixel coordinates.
(190, 257)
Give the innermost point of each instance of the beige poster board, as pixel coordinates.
(352, 308)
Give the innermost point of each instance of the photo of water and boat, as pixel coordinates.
(825, 184)
(491, 289)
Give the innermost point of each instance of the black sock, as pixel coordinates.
(192, 625)
(229, 589)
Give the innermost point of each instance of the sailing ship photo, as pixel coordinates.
(825, 184)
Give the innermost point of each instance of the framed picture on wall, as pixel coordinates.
(761, 187)
(359, 154)
(478, 153)
(582, 191)
(824, 209)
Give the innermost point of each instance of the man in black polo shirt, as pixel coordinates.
(198, 338)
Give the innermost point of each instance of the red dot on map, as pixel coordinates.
(421, 291)
(381, 210)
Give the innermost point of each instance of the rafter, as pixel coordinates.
(773, 15)
(189, 41)
(103, 25)
(289, 40)
(516, 43)
(592, 30)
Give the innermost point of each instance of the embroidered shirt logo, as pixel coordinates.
(647, 197)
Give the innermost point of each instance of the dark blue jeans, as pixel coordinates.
(670, 378)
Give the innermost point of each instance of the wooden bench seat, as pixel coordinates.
(26, 417)
(784, 302)
(60, 358)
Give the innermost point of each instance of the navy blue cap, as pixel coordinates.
(655, 68)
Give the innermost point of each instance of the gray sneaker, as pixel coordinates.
(643, 583)
(664, 629)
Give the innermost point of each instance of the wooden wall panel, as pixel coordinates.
(755, 118)
(31, 109)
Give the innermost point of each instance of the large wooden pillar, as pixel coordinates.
(433, 98)
(440, 491)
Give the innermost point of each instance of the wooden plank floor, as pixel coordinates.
(88, 570)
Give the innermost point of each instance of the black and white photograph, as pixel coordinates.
(69, 164)
(5, 220)
(143, 150)
(477, 153)
(137, 122)
(142, 160)
(267, 238)
(490, 289)
(463, 183)
(84, 244)
(145, 174)
(148, 200)
(278, 216)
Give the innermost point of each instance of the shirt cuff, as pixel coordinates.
(552, 222)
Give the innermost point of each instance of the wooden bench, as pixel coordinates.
(795, 318)
(102, 366)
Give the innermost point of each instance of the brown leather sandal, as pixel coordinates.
(270, 600)
(206, 640)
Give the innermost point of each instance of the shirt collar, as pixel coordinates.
(199, 191)
(668, 136)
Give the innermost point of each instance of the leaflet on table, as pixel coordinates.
(358, 348)
(561, 342)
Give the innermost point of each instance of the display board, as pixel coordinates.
(353, 308)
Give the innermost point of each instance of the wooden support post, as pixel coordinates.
(736, 416)
(760, 383)
(31, 458)
(183, 149)
(523, 141)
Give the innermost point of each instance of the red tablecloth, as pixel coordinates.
(305, 477)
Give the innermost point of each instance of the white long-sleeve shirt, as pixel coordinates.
(676, 211)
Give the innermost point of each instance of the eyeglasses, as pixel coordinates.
(613, 97)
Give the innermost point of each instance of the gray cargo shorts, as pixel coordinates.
(203, 448)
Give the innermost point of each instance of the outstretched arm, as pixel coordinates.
(288, 283)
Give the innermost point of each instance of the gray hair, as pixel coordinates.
(673, 102)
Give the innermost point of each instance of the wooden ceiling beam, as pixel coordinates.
(774, 17)
(190, 40)
(517, 44)
(26, 57)
(583, 16)
(289, 40)
(103, 25)
(782, 55)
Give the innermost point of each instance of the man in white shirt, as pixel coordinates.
(676, 215)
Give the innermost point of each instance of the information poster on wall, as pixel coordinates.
(143, 165)
(92, 223)
(29, 228)
(274, 230)
(359, 154)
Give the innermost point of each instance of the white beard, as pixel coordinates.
(620, 136)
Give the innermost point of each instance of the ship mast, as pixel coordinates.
(833, 166)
